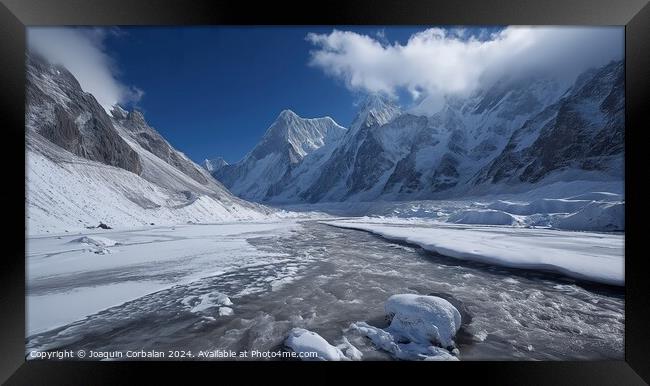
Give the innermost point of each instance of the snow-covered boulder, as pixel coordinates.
(350, 351)
(305, 341)
(421, 328)
(597, 216)
(423, 319)
(385, 340)
(225, 311)
(482, 216)
(198, 304)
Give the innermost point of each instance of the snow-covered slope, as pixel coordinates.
(286, 143)
(85, 167)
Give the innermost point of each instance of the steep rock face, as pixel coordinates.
(351, 165)
(59, 110)
(85, 167)
(430, 154)
(284, 146)
(584, 130)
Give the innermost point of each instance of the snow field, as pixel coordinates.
(67, 281)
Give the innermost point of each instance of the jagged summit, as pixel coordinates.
(285, 144)
(297, 135)
(288, 122)
(287, 115)
(283, 124)
(375, 101)
(214, 164)
(376, 109)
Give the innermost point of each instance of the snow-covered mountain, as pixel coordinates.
(266, 170)
(86, 167)
(517, 132)
(584, 130)
(355, 162)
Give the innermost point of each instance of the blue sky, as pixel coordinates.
(213, 91)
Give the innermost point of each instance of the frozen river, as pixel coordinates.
(324, 278)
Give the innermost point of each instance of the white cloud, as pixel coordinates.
(438, 62)
(82, 52)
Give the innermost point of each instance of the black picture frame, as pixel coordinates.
(15, 15)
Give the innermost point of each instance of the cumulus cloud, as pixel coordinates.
(82, 52)
(438, 62)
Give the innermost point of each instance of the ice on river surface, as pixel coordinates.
(597, 257)
(277, 276)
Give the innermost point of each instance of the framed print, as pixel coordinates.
(218, 186)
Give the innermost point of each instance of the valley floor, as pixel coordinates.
(244, 286)
(71, 276)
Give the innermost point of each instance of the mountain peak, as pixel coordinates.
(287, 114)
(214, 164)
(288, 140)
(376, 101)
(376, 109)
(302, 134)
(286, 121)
